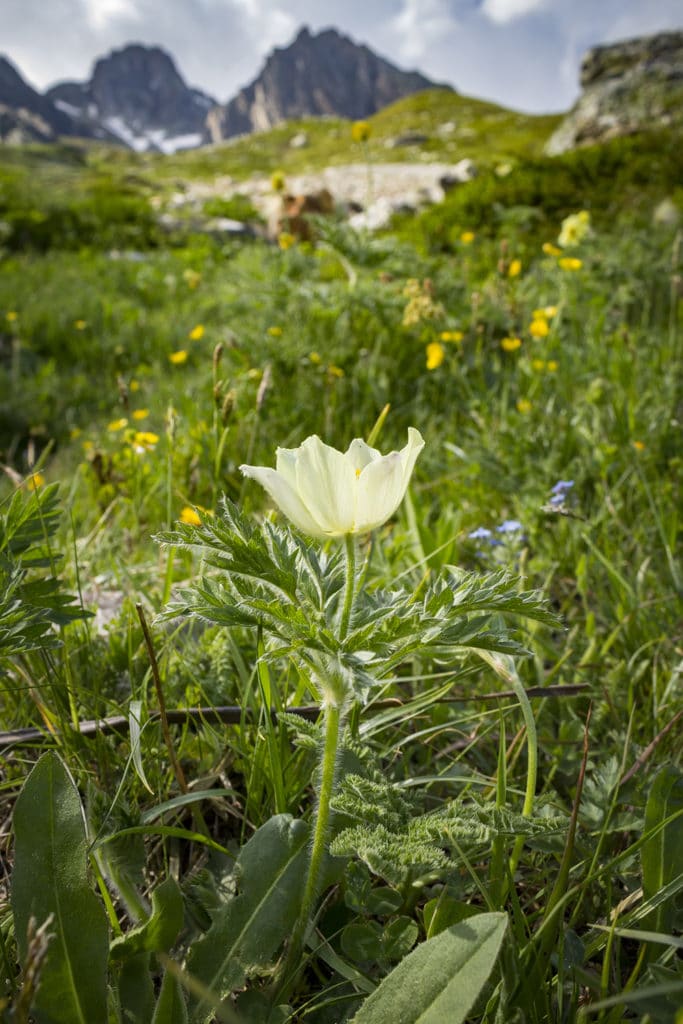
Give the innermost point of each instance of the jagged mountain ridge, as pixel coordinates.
(26, 115)
(315, 75)
(137, 96)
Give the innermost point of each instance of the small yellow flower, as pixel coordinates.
(523, 405)
(451, 335)
(335, 371)
(274, 331)
(190, 516)
(639, 446)
(117, 425)
(179, 357)
(277, 181)
(436, 354)
(511, 344)
(360, 131)
(314, 357)
(11, 316)
(80, 325)
(538, 328)
(515, 268)
(88, 446)
(552, 366)
(191, 277)
(145, 439)
(286, 240)
(574, 229)
(140, 414)
(197, 333)
(570, 263)
(35, 481)
(75, 433)
(549, 312)
(538, 365)
(550, 250)
(467, 237)
(134, 386)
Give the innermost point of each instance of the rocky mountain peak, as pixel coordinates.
(25, 115)
(137, 96)
(315, 75)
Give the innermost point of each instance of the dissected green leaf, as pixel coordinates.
(440, 980)
(50, 878)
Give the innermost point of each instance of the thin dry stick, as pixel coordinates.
(163, 717)
(650, 748)
(230, 714)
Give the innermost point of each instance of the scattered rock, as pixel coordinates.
(667, 213)
(298, 141)
(459, 173)
(407, 139)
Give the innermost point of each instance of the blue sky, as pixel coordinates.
(524, 54)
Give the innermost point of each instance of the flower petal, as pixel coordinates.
(326, 483)
(410, 453)
(285, 497)
(380, 489)
(361, 454)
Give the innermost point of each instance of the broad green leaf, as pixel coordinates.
(171, 1007)
(440, 980)
(661, 852)
(50, 877)
(249, 929)
(136, 991)
(159, 932)
(444, 911)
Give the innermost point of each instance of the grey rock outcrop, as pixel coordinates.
(136, 96)
(316, 75)
(626, 87)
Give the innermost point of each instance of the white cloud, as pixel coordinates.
(503, 11)
(101, 13)
(421, 23)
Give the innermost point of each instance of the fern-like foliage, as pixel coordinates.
(399, 844)
(32, 599)
(265, 575)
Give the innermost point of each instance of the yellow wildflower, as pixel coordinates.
(197, 333)
(134, 386)
(275, 331)
(145, 439)
(550, 250)
(511, 344)
(552, 365)
(80, 325)
(436, 354)
(140, 414)
(523, 405)
(538, 364)
(277, 181)
(549, 311)
(314, 357)
(179, 357)
(467, 237)
(117, 425)
(570, 263)
(191, 277)
(639, 446)
(335, 371)
(515, 268)
(11, 316)
(190, 516)
(574, 229)
(538, 328)
(451, 335)
(286, 240)
(360, 131)
(35, 481)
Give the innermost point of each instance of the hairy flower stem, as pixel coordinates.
(328, 770)
(350, 589)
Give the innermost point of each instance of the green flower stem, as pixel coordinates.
(333, 725)
(350, 585)
(532, 762)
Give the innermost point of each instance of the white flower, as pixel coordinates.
(328, 493)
